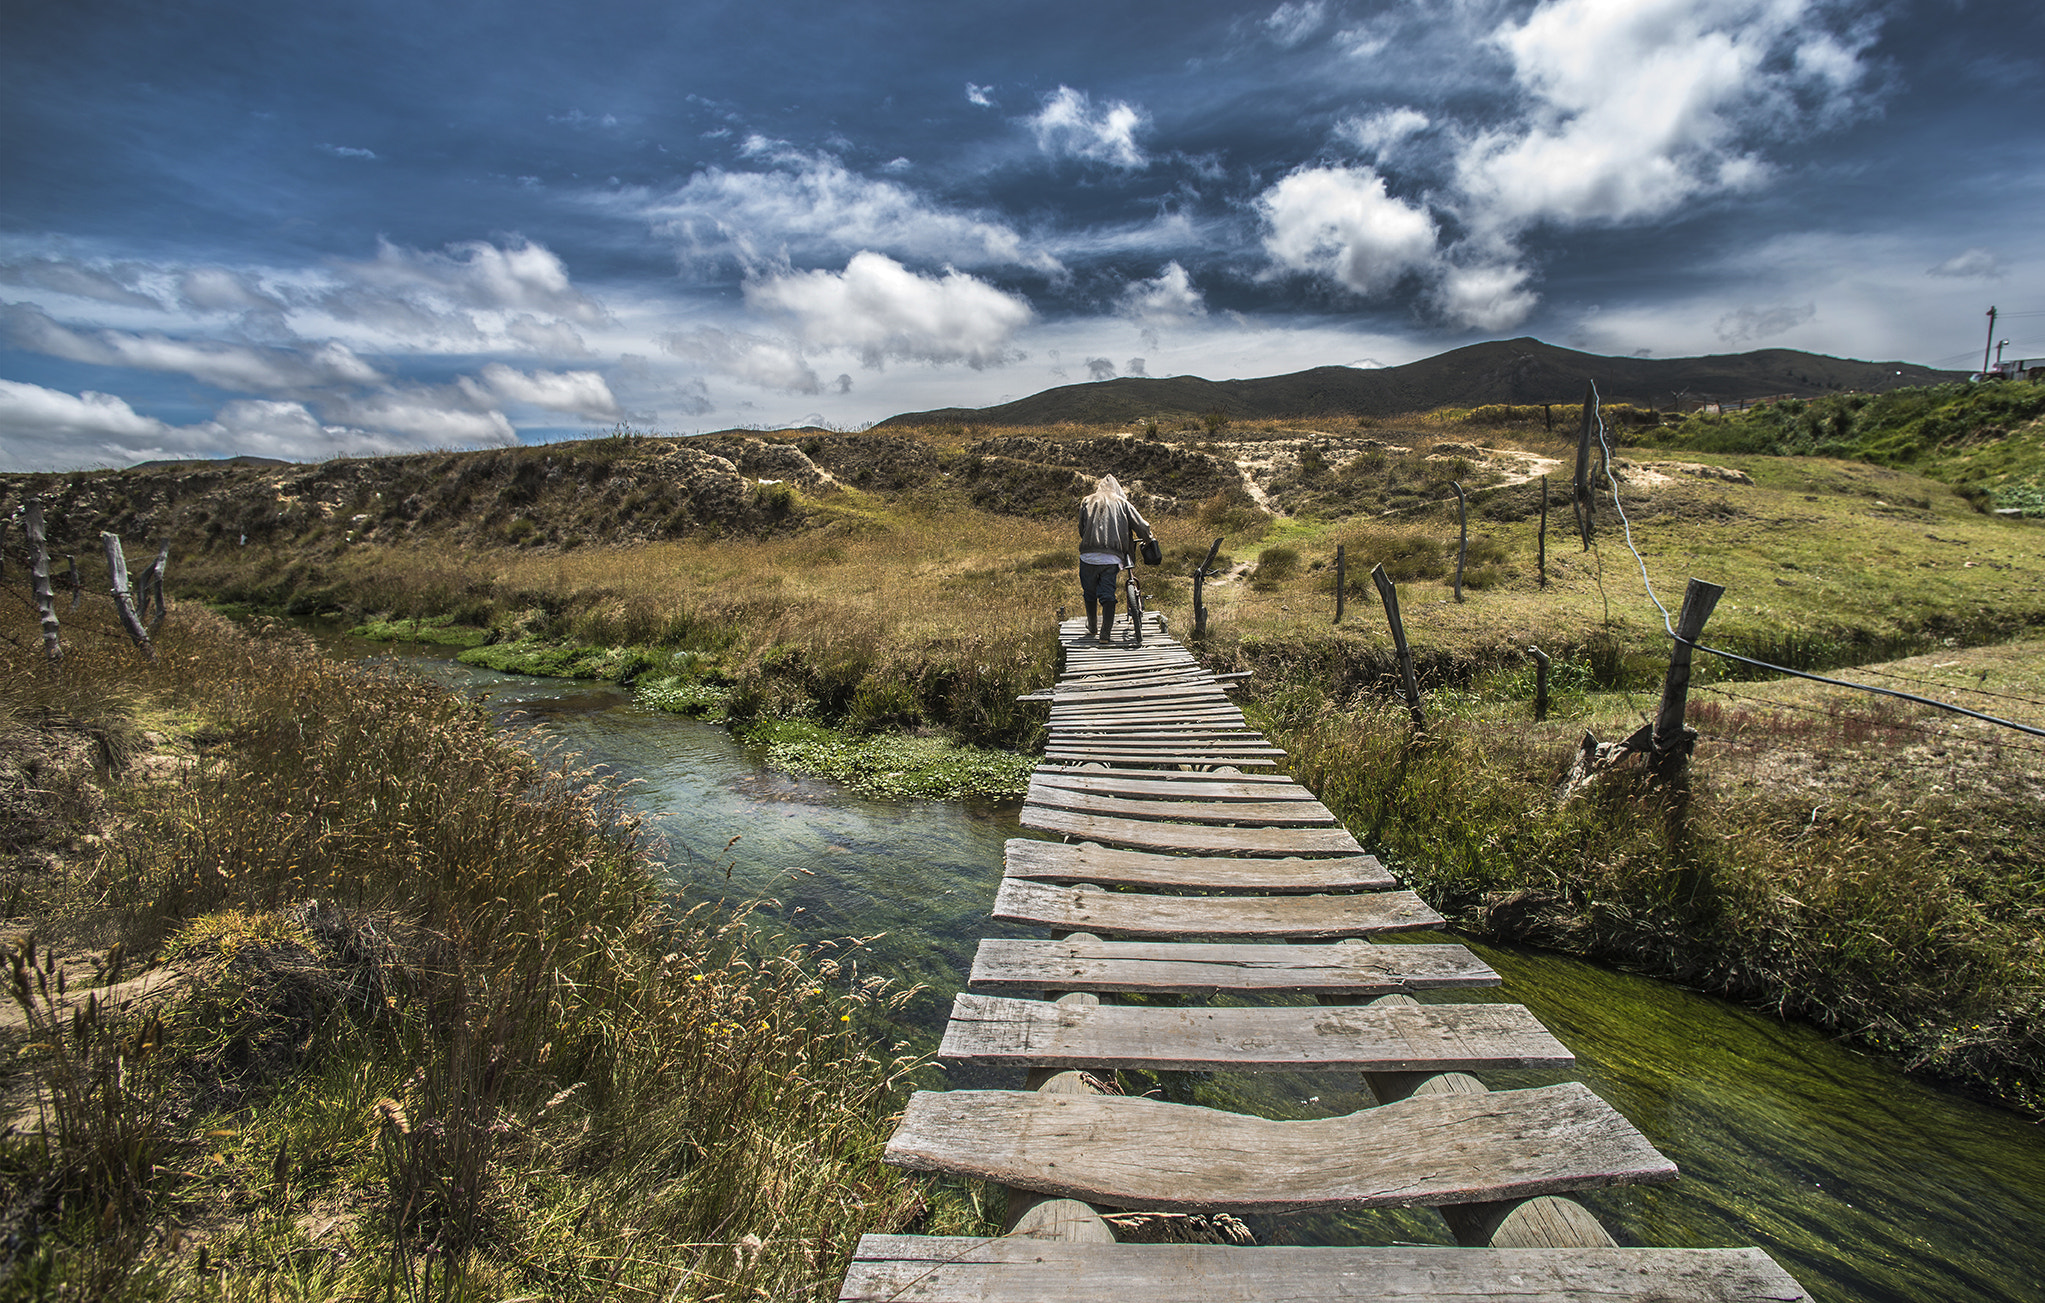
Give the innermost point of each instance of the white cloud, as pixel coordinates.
(97, 429)
(217, 289)
(427, 419)
(768, 363)
(1488, 297)
(1295, 20)
(1637, 106)
(1747, 325)
(549, 338)
(979, 95)
(1973, 264)
(1383, 131)
(578, 393)
(227, 365)
(812, 206)
(349, 151)
(1340, 222)
(116, 283)
(1171, 297)
(29, 413)
(1069, 124)
(880, 310)
(520, 276)
(1364, 42)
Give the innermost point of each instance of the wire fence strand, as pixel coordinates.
(1597, 411)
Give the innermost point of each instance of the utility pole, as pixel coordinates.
(1990, 344)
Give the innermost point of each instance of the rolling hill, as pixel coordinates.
(1499, 371)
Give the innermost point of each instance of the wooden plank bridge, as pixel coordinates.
(1187, 869)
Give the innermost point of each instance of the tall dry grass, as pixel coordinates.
(427, 1002)
(1910, 930)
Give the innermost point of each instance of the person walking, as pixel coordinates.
(1107, 521)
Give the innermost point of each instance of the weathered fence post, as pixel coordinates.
(1672, 743)
(152, 583)
(117, 574)
(1408, 682)
(1200, 583)
(1540, 683)
(77, 584)
(1462, 535)
(1585, 502)
(1543, 554)
(1341, 578)
(39, 580)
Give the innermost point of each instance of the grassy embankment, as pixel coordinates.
(323, 989)
(1869, 865)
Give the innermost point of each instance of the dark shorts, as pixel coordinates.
(1098, 581)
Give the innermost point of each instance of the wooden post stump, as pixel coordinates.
(1408, 681)
(1672, 742)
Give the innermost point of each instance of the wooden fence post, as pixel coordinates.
(1585, 502)
(1200, 583)
(1341, 579)
(1540, 683)
(1462, 535)
(1672, 742)
(1543, 554)
(39, 580)
(1408, 682)
(77, 584)
(152, 583)
(117, 574)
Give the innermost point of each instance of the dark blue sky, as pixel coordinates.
(307, 230)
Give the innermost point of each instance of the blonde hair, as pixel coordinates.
(1107, 492)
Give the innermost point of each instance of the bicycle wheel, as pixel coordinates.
(1135, 610)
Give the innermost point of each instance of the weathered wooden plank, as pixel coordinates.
(1140, 748)
(1248, 814)
(1170, 713)
(1365, 1038)
(1206, 968)
(1167, 776)
(1134, 1152)
(1191, 839)
(1126, 913)
(1191, 788)
(1086, 862)
(1189, 692)
(1176, 728)
(934, 1269)
(1119, 678)
(1089, 755)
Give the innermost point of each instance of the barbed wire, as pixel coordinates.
(1952, 687)
(1901, 726)
(1668, 623)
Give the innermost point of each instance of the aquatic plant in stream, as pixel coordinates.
(919, 768)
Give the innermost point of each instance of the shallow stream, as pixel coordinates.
(1866, 1184)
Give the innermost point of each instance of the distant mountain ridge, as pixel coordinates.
(1522, 370)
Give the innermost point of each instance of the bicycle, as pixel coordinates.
(1134, 592)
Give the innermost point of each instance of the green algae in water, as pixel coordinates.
(1866, 1184)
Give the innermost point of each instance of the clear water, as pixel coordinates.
(1866, 1184)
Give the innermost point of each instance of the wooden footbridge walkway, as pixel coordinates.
(1173, 828)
